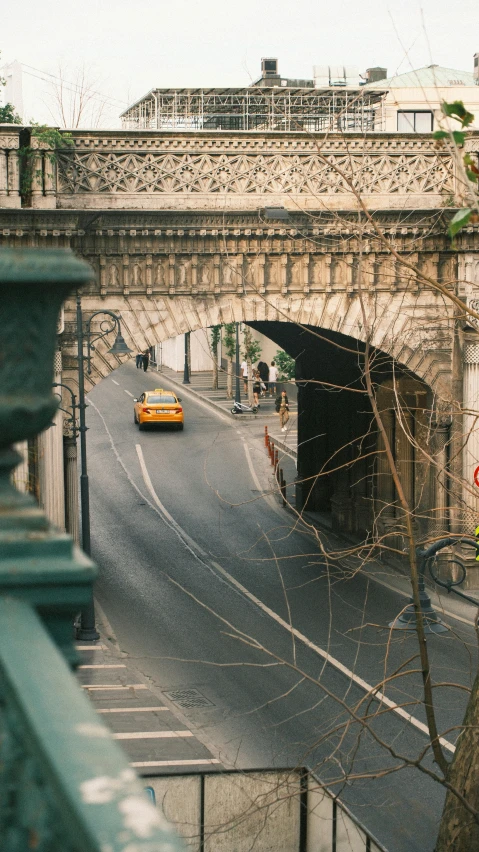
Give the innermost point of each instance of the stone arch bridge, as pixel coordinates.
(181, 232)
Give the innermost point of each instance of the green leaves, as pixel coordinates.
(459, 221)
(458, 111)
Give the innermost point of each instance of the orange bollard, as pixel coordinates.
(276, 459)
(266, 436)
(271, 451)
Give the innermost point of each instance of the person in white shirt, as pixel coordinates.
(273, 378)
(244, 373)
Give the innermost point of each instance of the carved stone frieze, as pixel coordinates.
(112, 171)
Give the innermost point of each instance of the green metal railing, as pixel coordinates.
(65, 786)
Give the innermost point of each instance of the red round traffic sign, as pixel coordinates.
(476, 476)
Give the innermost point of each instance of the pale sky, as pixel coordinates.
(130, 47)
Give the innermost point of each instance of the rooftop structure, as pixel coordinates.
(257, 108)
(337, 99)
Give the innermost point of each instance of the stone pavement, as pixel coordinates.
(148, 723)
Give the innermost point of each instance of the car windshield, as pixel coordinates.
(164, 397)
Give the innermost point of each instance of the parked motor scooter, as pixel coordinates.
(242, 408)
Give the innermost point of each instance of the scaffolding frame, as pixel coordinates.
(262, 109)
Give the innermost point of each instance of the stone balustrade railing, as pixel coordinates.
(191, 170)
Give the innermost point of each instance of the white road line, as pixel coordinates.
(132, 710)
(104, 666)
(90, 647)
(116, 383)
(152, 735)
(146, 763)
(128, 392)
(269, 497)
(333, 661)
(116, 688)
(196, 550)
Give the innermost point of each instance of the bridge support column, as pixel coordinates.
(385, 510)
(70, 460)
(470, 430)
(50, 455)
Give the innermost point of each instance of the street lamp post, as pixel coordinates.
(70, 464)
(237, 368)
(87, 629)
(186, 370)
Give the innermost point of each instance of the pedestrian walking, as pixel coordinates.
(264, 375)
(244, 373)
(282, 408)
(145, 359)
(273, 378)
(256, 387)
(139, 360)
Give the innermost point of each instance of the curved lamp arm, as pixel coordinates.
(105, 331)
(72, 419)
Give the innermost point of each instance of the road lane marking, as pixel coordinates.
(380, 696)
(90, 647)
(116, 383)
(153, 735)
(104, 666)
(132, 709)
(128, 392)
(270, 499)
(146, 763)
(197, 551)
(109, 686)
(363, 684)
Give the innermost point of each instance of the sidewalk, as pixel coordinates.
(149, 724)
(200, 385)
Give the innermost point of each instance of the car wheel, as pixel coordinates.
(135, 421)
(180, 427)
(141, 427)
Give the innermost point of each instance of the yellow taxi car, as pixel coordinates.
(158, 406)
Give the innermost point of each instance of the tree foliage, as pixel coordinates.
(286, 365)
(8, 115)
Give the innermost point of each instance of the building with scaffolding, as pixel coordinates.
(336, 99)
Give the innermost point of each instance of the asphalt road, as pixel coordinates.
(211, 585)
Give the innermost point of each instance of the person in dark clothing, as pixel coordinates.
(264, 375)
(139, 361)
(256, 387)
(146, 359)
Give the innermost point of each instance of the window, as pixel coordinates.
(153, 397)
(415, 122)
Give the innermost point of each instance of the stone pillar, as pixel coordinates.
(21, 474)
(70, 457)
(3, 177)
(50, 453)
(405, 455)
(50, 182)
(149, 275)
(385, 508)
(470, 454)
(13, 180)
(37, 179)
(440, 489)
